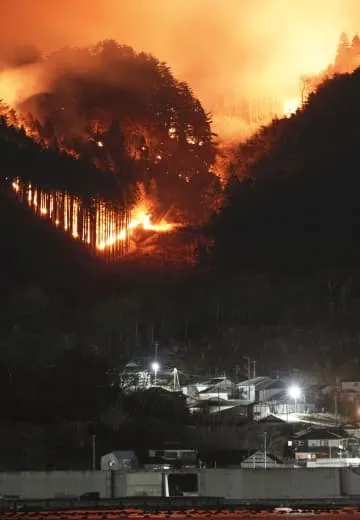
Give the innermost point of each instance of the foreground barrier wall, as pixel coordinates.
(350, 481)
(144, 484)
(53, 484)
(241, 484)
(271, 484)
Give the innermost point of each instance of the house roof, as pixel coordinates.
(215, 401)
(215, 381)
(121, 454)
(256, 381)
(214, 389)
(276, 383)
(264, 383)
(315, 434)
(260, 455)
(271, 418)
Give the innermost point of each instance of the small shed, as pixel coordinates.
(119, 460)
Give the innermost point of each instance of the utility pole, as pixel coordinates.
(237, 373)
(249, 363)
(336, 401)
(254, 368)
(92, 434)
(93, 446)
(248, 358)
(156, 349)
(265, 449)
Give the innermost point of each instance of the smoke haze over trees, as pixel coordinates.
(127, 114)
(248, 49)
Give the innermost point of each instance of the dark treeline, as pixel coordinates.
(22, 157)
(347, 59)
(291, 202)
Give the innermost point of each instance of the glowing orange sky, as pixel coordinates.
(232, 48)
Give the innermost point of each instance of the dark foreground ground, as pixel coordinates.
(348, 513)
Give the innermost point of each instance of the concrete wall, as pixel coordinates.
(53, 484)
(144, 484)
(241, 484)
(350, 481)
(272, 483)
(247, 483)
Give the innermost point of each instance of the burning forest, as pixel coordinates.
(125, 115)
(141, 142)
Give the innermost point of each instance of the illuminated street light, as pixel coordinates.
(295, 393)
(155, 367)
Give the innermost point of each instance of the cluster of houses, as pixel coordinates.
(279, 408)
(254, 398)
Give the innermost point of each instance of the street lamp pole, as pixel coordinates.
(155, 366)
(93, 450)
(265, 449)
(294, 392)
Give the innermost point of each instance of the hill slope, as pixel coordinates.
(294, 201)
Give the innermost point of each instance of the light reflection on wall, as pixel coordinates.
(94, 222)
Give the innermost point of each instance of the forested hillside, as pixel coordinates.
(126, 113)
(292, 199)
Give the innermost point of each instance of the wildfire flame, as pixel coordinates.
(291, 106)
(141, 219)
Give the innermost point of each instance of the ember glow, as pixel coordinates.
(103, 227)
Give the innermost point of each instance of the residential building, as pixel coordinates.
(216, 387)
(320, 443)
(249, 390)
(225, 407)
(350, 386)
(135, 376)
(260, 388)
(175, 456)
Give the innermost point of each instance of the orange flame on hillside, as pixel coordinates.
(64, 211)
(140, 219)
(291, 106)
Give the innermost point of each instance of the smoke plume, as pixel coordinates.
(227, 51)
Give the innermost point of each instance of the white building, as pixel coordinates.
(119, 460)
(260, 388)
(214, 388)
(135, 377)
